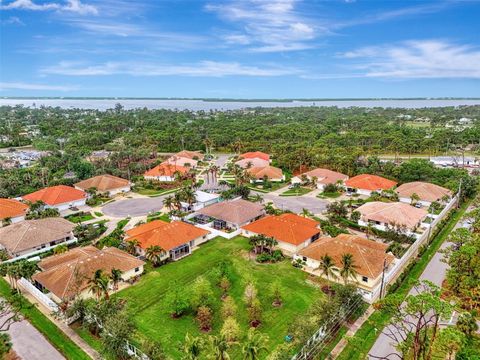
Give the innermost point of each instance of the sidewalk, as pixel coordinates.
(351, 331)
(62, 326)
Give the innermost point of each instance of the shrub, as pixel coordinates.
(177, 302)
(254, 313)
(204, 318)
(262, 258)
(202, 293)
(230, 330)
(250, 293)
(229, 308)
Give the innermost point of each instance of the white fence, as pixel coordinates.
(38, 295)
(410, 254)
(36, 252)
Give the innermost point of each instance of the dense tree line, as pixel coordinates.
(340, 139)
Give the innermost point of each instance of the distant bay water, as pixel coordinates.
(207, 105)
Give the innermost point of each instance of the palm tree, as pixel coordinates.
(414, 198)
(189, 196)
(132, 246)
(254, 345)
(169, 202)
(60, 249)
(99, 284)
(237, 146)
(219, 346)
(154, 254)
(192, 347)
(348, 268)
(257, 198)
(116, 277)
(306, 213)
(327, 267)
(208, 145)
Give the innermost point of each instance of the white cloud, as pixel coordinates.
(28, 86)
(13, 20)
(418, 59)
(266, 26)
(203, 69)
(73, 6)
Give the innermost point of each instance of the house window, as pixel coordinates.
(315, 237)
(364, 279)
(304, 258)
(137, 269)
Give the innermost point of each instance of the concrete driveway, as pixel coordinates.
(134, 207)
(29, 344)
(296, 203)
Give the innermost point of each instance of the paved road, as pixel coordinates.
(134, 207)
(29, 343)
(222, 159)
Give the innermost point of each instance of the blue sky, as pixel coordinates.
(240, 49)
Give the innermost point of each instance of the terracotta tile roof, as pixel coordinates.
(368, 255)
(255, 162)
(165, 170)
(181, 161)
(326, 176)
(392, 213)
(10, 208)
(68, 274)
(56, 195)
(166, 235)
(255, 154)
(288, 228)
(104, 182)
(32, 233)
(370, 182)
(425, 191)
(271, 172)
(190, 154)
(235, 211)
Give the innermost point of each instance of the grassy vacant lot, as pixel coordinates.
(296, 191)
(146, 299)
(51, 332)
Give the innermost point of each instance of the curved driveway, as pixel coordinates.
(134, 207)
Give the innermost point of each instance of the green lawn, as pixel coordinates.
(53, 334)
(273, 186)
(331, 195)
(158, 216)
(299, 191)
(367, 334)
(146, 299)
(78, 218)
(154, 192)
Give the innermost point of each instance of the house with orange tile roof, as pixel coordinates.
(272, 173)
(178, 239)
(181, 161)
(322, 176)
(105, 184)
(250, 163)
(370, 257)
(193, 155)
(164, 172)
(291, 231)
(255, 154)
(426, 192)
(395, 214)
(12, 211)
(66, 276)
(60, 197)
(365, 184)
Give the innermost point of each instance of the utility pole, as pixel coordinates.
(383, 277)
